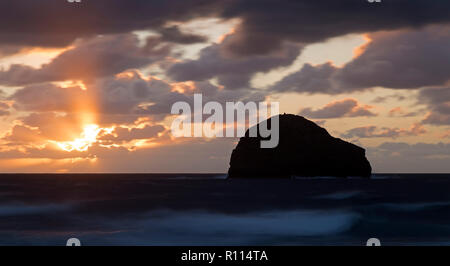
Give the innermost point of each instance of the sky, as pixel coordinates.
(88, 87)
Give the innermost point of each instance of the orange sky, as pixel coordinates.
(71, 127)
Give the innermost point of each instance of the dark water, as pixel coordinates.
(209, 210)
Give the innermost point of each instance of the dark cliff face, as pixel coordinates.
(304, 150)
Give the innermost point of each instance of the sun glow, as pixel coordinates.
(88, 137)
(94, 134)
(72, 83)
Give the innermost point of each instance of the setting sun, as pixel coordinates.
(88, 137)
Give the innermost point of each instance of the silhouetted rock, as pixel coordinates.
(305, 150)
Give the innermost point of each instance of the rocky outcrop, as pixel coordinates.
(305, 150)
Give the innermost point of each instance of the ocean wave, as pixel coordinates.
(169, 227)
(166, 227)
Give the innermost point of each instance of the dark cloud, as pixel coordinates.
(23, 134)
(370, 132)
(262, 42)
(399, 60)
(122, 99)
(437, 119)
(400, 157)
(139, 96)
(384, 132)
(50, 23)
(48, 97)
(400, 112)
(173, 34)
(408, 59)
(53, 126)
(191, 155)
(128, 134)
(266, 24)
(383, 99)
(162, 106)
(4, 109)
(91, 58)
(310, 79)
(231, 72)
(114, 100)
(125, 93)
(438, 102)
(439, 97)
(7, 50)
(337, 109)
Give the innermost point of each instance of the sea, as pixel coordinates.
(212, 210)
